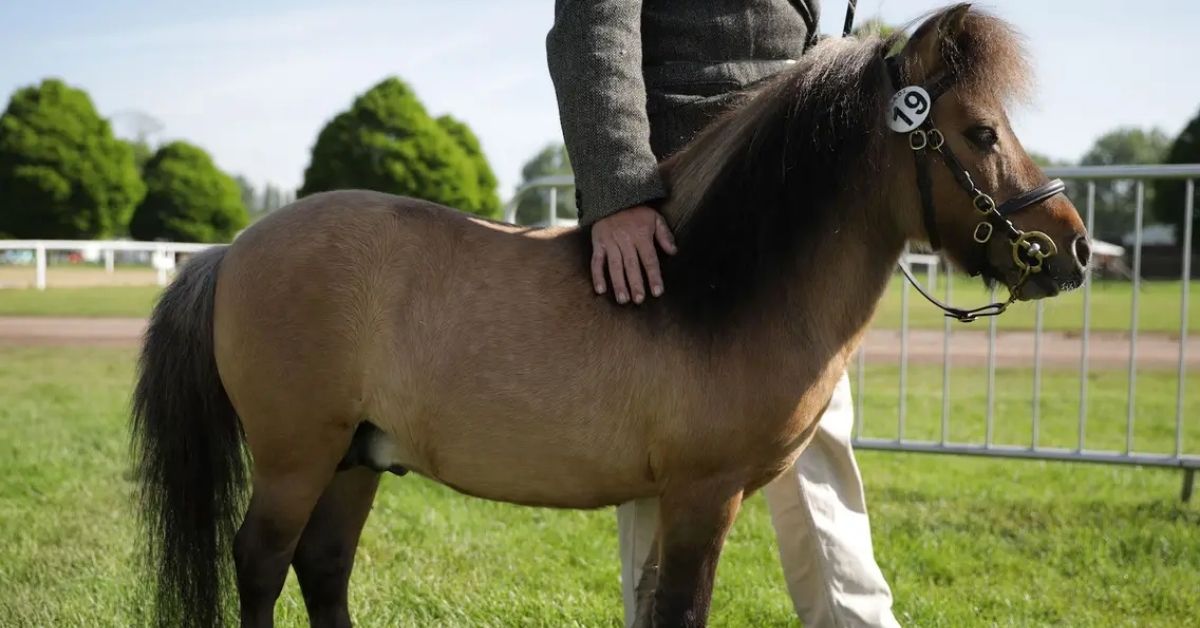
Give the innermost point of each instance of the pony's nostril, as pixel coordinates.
(1083, 250)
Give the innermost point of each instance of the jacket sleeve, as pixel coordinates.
(594, 51)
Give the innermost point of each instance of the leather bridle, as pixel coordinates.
(1030, 249)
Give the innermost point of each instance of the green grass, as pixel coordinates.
(1107, 401)
(1159, 308)
(963, 541)
(100, 301)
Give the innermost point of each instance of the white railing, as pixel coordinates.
(553, 183)
(162, 254)
(1177, 457)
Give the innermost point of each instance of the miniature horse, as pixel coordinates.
(476, 354)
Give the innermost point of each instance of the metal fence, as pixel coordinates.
(1085, 179)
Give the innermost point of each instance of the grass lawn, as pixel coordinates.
(1159, 307)
(98, 301)
(1107, 399)
(963, 541)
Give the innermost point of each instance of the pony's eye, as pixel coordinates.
(983, 137)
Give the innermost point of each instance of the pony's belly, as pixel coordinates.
(520, 470)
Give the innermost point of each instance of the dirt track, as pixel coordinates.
(967, 347)
(92, 332)
(970, 348)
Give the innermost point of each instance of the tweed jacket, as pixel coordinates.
(635, 79)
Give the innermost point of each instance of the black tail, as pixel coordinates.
(188, 451)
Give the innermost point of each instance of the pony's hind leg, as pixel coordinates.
(289, 479)
(325, 554)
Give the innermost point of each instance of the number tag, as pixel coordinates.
(909, 109)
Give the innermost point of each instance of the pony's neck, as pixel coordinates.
(829, 294)
(779, 184)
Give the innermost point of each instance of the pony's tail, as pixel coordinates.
(188, 451)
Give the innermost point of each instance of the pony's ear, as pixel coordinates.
(924, 54)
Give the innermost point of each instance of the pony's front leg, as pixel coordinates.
(693, 521)
(645, 589)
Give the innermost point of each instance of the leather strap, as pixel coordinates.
(1032, 197)
(925, 187)
(957, 313)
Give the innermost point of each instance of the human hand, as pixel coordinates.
(624, 242)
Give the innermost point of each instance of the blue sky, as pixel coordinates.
(253, 81)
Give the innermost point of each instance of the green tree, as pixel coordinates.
(1116, 200)
(487, 202)
(1046, 161)
(188, 198)
(142, 152)
(62, 172)
(386, 141)
(531, 205)
(1170, 195)
(874, 26)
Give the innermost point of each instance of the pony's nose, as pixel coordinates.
(1082, 250)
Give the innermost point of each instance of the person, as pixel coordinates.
(635, 80)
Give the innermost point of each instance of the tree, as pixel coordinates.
(138, 129)
(273, 197)
(259, 203)
(248, 191)
(487, 202)
(875, 26)
(1116, 200)
(1046, 161)
(62, 171)
(531, 206)
(1170, 195)
(188, 198)
(386, 141)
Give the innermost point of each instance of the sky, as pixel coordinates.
(253, 81)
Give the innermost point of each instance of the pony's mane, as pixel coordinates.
(754, 189)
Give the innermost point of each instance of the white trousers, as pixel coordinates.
(820, 519)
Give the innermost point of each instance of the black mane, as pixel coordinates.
(757, 187)
(796, 145)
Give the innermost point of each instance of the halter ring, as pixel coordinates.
(983, 232)
(936, 139)
(984, 203)
(918, 140)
